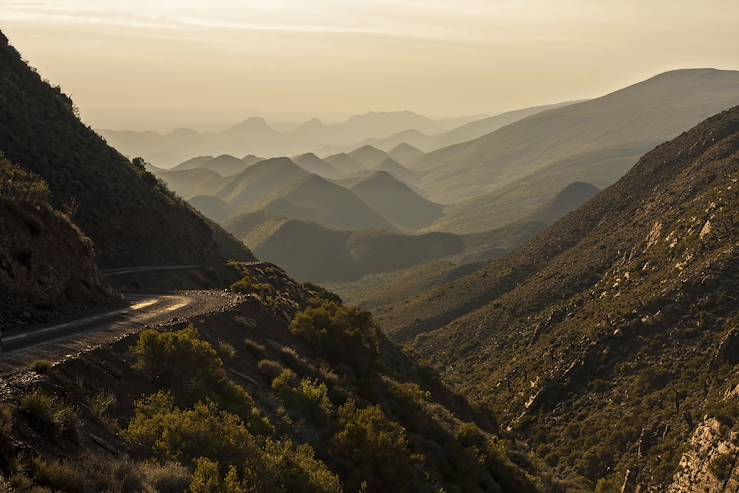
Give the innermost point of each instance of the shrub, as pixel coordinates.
(6, 427)
(180, 435)
(270, 368)
(346, 335)
(309, 399)
(101, 403)
(369, 447)
(291, 468)
(193, 372)
(257, 350)
(322, 293)
(18, 184)
(41, 366)
(226, 350)
(247, 286)
(38, 407)
(92, 473)
(177, 358)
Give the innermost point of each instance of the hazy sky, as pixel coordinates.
(155, 63)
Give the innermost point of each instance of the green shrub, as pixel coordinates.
(92, 474)
(370, 448)
(294, 469)
(308, 399)
(38, 407)
(177, 358)
(322, 293)
(257, 350)
(41, 366)
(226, 350)
(191, 369)
(247, 286)
(226, 456)
(340, 334)
(270, 369)
(101, 403)
(181, 435)
(18, 184)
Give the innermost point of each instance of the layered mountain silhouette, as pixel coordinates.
(631, 299)
(131, 218)
(396, 201)
(396, 169)
(404, 152)
(432, 141)
(255, 136)
(212, 207)
(572, 197)
(345, 163)
(316, 199)
(594, 141)
(224, 165)
(312, 252)
(368, 156)
(260, 180)
(313, 164)
(189, 183)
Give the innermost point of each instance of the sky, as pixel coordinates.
(155, 64)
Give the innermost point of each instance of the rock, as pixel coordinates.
(728, 350)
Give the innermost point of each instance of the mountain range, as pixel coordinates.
(255, 136)
(506, 174)
(622, 312)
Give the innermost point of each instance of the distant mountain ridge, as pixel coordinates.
(255, 136)
(505, 175)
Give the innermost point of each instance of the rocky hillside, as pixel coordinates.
(288, 391)
(622, 312)
(46, 263)
(129, 215)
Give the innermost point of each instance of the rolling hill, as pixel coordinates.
(396, 169)
(631, 299)
(316, 199)
(212, 207)
(345, 163)
(314, 253)
(396, 201)
(131, 218)
(314, 164)
(259, 181)
(594, 141)
(368, 156)
(570, 198)
(404, 152)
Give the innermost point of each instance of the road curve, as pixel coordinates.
(19, 346)
(53, 342)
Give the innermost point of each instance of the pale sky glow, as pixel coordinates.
(154, 64)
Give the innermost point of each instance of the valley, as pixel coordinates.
(319, 296)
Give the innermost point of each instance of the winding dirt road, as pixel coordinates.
(21, 346)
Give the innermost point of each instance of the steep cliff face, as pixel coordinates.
(710, 463)
(45, 261)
